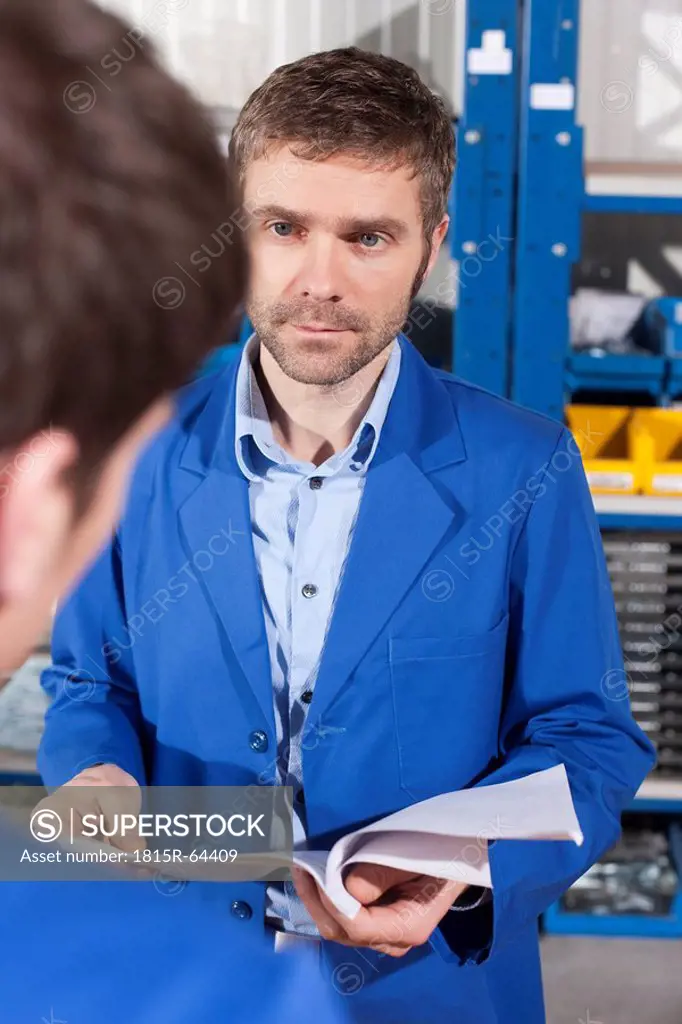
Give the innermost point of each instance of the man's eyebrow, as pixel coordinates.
(353, 226)
(273, 212)
(370, 225)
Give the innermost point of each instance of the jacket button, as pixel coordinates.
(241, 910)
(307, 696)
(258, 741)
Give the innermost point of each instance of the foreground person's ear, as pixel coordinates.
(36, 512)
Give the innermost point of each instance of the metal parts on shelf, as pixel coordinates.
(638, 876)
(646, 370)
(633, 890)
(646, 574)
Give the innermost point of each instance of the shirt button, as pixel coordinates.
(241, 910)
(309, 590)
(307, 696)
(258, 741)
(315, 483)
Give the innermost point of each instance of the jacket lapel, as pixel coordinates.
(218, 507)
(401, 521)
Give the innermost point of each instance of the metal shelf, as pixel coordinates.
(660, 789)
(633, 204)
(637, 505)
(659, 795)
(633, 188)
(638, 511)
(17, 768)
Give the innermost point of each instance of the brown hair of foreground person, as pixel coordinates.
(106, 183)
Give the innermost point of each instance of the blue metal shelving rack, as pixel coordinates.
(548, 199)
(551, 201)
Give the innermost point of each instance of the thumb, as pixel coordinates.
(369, 882)
(129, 842)
(120, 803)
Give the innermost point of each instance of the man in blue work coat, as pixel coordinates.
(344, 571)
(103, 187)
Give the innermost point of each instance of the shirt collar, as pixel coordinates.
(255, 444)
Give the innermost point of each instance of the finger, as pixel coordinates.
(122, 800)
(362, 930)
(72, 813)
(333, 911)
(310, 895)
(369, 882)
(424, 889)
(128, 843)
(403, 923)
(408, 919)
(432, 897)
(389, 950)
(354, 928)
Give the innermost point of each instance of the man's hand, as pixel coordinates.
(102, 790)
(400, 910)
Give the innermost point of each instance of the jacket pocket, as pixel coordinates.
(447, 698)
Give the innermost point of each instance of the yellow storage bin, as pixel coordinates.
(657, 442)
(602, 433)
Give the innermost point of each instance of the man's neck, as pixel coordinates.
(311, 421)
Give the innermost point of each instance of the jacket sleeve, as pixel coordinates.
(566, 702)
(95, 714)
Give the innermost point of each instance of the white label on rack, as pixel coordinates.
(611, 481)
(493, 58)
(663, 482)
(552, 96)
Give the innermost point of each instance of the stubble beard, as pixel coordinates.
(324, 362)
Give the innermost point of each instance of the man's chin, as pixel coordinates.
(307, 375)
(312, 360)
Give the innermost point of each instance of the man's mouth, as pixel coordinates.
(319, 329)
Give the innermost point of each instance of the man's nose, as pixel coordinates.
(320, 277)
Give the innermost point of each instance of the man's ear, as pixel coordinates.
(36, 512)
(436, 242)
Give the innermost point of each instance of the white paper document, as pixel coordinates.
(445, 837)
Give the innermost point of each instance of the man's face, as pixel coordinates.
(338, 252)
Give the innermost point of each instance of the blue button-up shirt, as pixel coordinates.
(302, 519)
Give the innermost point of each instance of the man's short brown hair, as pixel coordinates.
(357, 102)
(108, 184)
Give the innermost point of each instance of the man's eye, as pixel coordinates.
(369, 240)
(283, 229)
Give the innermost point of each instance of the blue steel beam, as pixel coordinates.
(625, 521)
(551, 192)
(483, 199)
(669, 205)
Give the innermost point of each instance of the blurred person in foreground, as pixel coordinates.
(98, 201)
